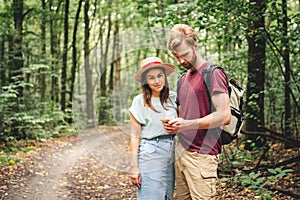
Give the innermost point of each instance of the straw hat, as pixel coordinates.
(152, 62)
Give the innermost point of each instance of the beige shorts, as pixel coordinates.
(196, 174)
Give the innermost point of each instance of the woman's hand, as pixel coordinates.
(135, 176)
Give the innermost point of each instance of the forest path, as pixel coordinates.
(57, 172)
(91, 166)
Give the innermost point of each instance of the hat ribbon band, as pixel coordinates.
(152, 63)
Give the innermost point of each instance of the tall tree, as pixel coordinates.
(286, 57)
(88, 72)
(43, 51)
(105, 56)
(74, 53)
(54, 48)
(117, 57)
(64, 57)
(17, 59)
(103, 110)
(256, 67)
(2, 66)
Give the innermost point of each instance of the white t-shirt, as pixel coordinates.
(149, 119)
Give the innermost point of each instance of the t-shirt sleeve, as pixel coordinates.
(173, 99)
(219, 82)
(138, 109)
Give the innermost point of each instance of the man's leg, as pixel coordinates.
(201, 175)
(182, 189)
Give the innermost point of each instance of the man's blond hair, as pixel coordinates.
(181, 33)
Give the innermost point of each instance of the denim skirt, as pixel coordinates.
(156, 163)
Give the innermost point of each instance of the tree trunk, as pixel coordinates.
(118, 59)
(117, 87)
(74, 54)
(55, 53)
(104, 103)
(115, 80)
(2, 60)
(43, 38)
(105, 58)
(17, 60)
(88, 73)
(256, 68)
(286, 57)
(64, 58)
(10, 54)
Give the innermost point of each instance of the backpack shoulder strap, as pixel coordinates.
(206, 73)
(178, 85)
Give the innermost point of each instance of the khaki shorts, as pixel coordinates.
(196, 174)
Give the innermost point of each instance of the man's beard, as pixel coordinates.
(193, 61)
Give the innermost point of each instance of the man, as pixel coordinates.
(200, 119)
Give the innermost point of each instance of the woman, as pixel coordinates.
(152, 148)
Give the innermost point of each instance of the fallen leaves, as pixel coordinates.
(101, 174)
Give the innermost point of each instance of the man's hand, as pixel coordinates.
(173, 126)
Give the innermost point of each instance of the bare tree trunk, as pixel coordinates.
(118, 58)
(55, 53)
(17, 60)
(286, 57)
(256, 69)
(118, 75)
(105, 58)
(43, 38)
(104, 105)
(10, 53)
(3, 77)
(74, 54)
(64, 58)
(112, 64)
(88, 73)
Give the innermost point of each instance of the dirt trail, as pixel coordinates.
(92, 166)
(49, 170)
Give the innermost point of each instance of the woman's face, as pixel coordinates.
(156, 80)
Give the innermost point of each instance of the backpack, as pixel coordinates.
(231, 131)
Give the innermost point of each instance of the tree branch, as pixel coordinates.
(273, 135)
(283, 163)
(287, 192)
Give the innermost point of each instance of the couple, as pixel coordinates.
(197, 128)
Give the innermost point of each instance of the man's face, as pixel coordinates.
(186, 55)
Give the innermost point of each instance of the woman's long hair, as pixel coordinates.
(147, 92)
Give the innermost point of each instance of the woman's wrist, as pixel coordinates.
(134, 169)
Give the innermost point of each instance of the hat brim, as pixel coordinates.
(169, 69)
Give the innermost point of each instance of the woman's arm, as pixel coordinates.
(135, 134)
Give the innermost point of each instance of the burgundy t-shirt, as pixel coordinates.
(194, 103)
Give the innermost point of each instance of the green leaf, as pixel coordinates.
(272, 171)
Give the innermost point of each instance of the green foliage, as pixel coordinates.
(105, 115)
(9, 151)
(8, 160)
(222, 28)
(27, 118)
(242, 161)
(235, 156)
(260, 183)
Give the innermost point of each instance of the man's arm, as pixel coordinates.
(221, 116)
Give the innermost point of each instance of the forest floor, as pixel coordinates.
(93, 165)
